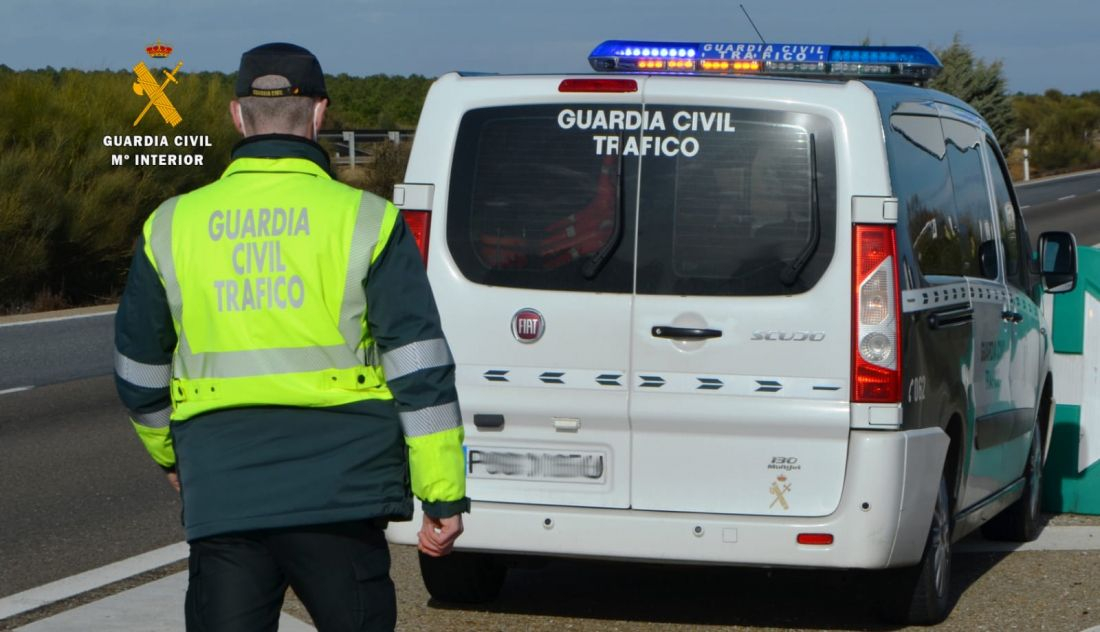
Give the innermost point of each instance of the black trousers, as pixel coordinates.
(341, 572)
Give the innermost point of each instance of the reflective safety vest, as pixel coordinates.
(264, 273)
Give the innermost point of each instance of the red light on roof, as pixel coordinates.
(598, 85)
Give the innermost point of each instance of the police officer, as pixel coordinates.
(281, 356)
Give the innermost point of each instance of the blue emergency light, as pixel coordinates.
(911, 64)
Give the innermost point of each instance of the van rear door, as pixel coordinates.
(741, 319)
(535, 285)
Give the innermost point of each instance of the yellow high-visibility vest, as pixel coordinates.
(264, 273)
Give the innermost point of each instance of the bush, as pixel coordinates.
(68, 218)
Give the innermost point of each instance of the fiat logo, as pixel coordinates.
(528, 325)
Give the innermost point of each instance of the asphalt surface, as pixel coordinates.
(57, 351)
(1066, 203)
(77, 488)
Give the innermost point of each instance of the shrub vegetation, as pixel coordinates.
(68, 218)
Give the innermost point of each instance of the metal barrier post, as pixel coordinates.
(350, 138)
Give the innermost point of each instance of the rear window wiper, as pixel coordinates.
(600, 258)
(790, 274)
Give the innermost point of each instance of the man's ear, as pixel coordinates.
(238, 120)
(319, 115)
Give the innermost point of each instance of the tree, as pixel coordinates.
(980, 84)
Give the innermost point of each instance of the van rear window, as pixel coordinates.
(711, 201)
(534, 206)
(752, 212)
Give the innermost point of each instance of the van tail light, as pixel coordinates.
(876, 322)
(420, 225)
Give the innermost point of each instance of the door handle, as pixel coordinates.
(1013, 317)
(950, 318)
(685, 333)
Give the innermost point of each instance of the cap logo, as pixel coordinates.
(528, 325)
(274, 92)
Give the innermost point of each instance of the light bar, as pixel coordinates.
(911, 64)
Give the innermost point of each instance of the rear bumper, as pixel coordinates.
(882, 520)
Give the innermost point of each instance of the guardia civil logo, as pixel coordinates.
(156, 109)
(147, 86)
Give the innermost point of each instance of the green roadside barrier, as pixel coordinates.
(1071, 476)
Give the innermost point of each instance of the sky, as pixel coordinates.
(1050, 44)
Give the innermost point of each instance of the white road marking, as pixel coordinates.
(1025, 206)
(55, 319)
(15, 390)
(153, 607)
(1066, 197)
(90, 580)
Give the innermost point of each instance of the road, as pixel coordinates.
(77, 490)
(1065, 203)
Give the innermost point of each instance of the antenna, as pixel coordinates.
(762, 40)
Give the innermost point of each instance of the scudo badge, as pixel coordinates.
(528, 325)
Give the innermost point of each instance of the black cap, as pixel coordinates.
(297, 64)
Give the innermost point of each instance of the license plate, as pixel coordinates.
(573, 466)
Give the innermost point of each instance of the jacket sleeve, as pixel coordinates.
(144, 341)
(419, 370)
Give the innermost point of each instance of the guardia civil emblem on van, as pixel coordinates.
(528, 325)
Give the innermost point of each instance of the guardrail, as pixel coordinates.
(357, 145)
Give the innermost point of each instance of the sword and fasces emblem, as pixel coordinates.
(780, 488)
(147, 85)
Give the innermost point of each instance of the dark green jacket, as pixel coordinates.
(264, 466)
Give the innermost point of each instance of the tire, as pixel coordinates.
(463, 577)
(1019, 522)
(921, 594)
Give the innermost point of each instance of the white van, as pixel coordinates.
(736, 304)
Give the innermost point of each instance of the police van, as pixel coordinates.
(743, 304)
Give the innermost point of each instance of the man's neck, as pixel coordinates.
(282, 146)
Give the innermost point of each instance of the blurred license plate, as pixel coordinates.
(575, 466)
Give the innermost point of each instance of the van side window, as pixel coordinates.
(534, 202)
(972, 204)
(921, 182)
(1011, 227)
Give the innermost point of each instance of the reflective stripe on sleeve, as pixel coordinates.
(415, 356)
(417, 423)
(141, 374)
(156, 419)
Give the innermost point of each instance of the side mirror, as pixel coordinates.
(987, 259)
(1058, 261)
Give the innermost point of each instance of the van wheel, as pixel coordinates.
(463, 577)
(1019, 522)
(920, 595)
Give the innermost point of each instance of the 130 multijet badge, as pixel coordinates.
(528, 325)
